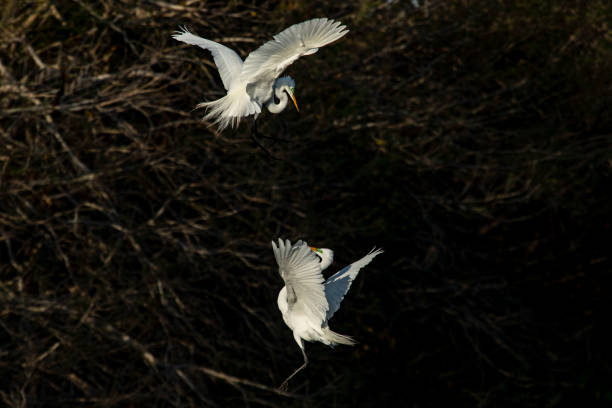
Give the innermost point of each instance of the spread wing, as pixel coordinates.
(228, 62)
(338, 284)
(270, 60)
(299, 268)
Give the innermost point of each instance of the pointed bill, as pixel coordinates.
(293, 99)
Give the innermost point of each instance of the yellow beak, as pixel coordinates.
(294, 101)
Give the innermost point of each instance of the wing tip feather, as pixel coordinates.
(182, 30)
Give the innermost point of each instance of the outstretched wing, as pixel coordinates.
(270, 60)
(228, 62)
(299, 268)
(339, 283)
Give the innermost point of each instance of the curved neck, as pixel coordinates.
(274, 107)
(325, 263)
(327, 257)
(282, 303)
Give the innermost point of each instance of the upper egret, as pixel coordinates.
(255, 82)
(307, 301)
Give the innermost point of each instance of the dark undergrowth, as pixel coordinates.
(469, 139)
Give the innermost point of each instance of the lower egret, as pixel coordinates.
(307, 301)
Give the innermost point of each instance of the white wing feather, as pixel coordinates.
(299, 268)
(338, 284)
(270, 60)
(228, 62)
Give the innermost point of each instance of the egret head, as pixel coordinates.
(326, 255)
(286, 84)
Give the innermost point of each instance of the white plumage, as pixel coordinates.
(255, 82)
(307, 301)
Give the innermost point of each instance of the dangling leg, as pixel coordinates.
(255, 134)
(263, 136)
(283, 386)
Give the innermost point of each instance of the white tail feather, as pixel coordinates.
(335, 338)
(228, 110)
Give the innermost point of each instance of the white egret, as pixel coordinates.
(307, 301)
(254, 83)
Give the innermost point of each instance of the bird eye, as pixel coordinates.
(291, 88)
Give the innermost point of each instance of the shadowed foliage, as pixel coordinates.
(470, 140)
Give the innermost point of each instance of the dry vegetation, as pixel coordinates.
(471, 140)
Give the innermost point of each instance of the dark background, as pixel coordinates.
(470, 139)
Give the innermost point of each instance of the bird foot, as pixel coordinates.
(276, 139)
(284, 386)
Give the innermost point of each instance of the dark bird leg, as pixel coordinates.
(284, 385)
(263, 136)
(254, 136)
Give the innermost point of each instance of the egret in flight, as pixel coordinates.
(307, 301)
(254, 82)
